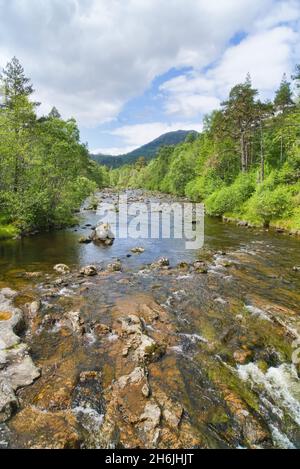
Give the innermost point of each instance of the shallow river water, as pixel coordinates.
(223, 371)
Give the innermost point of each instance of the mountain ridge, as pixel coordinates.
(148, 151)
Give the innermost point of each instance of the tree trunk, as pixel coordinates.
(243, 153)
(262, 155)
(281, 149)
(16, 175)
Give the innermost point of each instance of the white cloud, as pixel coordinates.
(114, 151)
(134, 136)
(282, 12)
(89, 57)
(189, 94)
(266, 55)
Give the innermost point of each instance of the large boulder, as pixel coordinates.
(103, 234)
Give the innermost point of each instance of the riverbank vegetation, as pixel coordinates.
(45, 172)
(244, 165)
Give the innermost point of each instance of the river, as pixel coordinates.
(163, 356)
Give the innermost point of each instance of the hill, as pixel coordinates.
(148, 151)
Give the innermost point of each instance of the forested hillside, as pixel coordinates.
(245, 164)
(45, 172)
(148, 151)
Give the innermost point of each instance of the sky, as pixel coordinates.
(131, 70)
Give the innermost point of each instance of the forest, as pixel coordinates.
(45, 172)
(244, 165)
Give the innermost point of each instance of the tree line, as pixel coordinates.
(245, 164)
(45, 171)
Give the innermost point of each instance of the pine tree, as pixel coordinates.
(14, 81)
(54, 114)
(242, 114)
(283, 98)
(296, 79)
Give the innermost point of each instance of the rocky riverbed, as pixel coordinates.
(152, 348)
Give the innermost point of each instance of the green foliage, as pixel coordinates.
(283, 98)
(200, 188)
(231, 198)
(269, 205)
(245, 163)
(7, 230)
(45, 172)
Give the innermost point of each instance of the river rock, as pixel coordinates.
(162, 262)
(200, 267)
(84, 240)
(8, 400)
(4, 436)
(47, 430)
(138, 250)
(183, 265)
(149, 422)
(74, 322)
(62, 269)
(146, 391)
(114, 267)
(22, 373)
(242, 356)
(89, 271)
(34, 308)
(103, 234)
(136, 377)
(172, 412)
(131, 325)
(31, 275)
(16, 367)
(102, 329)
(242, 223)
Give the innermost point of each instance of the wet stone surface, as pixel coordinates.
(163, 349)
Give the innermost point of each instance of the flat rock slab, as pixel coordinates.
(16, 367)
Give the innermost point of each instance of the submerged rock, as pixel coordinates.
(114, 266)
(102, 329)
(47, 430)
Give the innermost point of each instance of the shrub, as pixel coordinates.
(201, 187)
(231, 198)
(269, 205)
